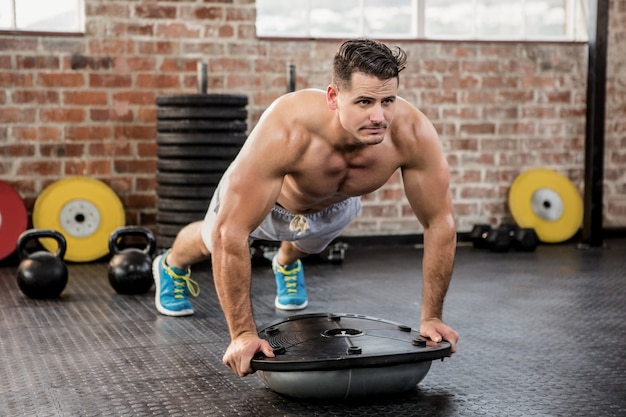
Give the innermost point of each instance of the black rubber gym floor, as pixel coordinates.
(542, 334)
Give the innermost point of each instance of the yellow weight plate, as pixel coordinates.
(548, 202)
(85, 210)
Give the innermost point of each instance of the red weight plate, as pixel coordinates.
(13, 219)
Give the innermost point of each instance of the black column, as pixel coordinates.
(594, 133)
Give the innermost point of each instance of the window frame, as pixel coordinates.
(14, 30)
(576, 29)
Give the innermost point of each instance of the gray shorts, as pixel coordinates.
(310, 233)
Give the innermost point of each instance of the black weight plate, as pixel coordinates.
(223, 113)
(201, 126)
(182, 204)
(179, 191)
(194, 152)
(168, 229)
(209, 138)
(192, 165)
(232, 100)
(164, 241)
(179, 217)
(193, 178)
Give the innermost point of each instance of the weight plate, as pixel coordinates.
(206, 152)
(85, 210)
(179, 191)
(179, 217)
(231, 100)
(164, 241)
(180, 204)
(193, 165)
(548, 202)
(224, 113)
(201, 126)
(169, 229)
(192, 178)
(13, 219)
(210, 138)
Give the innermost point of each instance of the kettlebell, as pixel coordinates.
(41, 274)
(130, 269)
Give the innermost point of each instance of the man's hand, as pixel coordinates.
(436, 330)
(241, 351)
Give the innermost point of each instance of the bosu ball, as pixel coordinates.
(340, 356)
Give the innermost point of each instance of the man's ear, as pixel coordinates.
(331, 96)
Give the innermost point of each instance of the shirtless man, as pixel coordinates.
(298, 179)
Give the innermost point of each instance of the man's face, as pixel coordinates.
(367, 108)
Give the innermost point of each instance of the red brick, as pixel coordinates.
(38, 62)
(147, 115)
(558, 96)
(146, 184)
(65, 150)
(39, 168)
(134, 166)
(225, 31)
(539, 112)
(111, 148)
(6, 61)
(176, 30)
(133, 29)
(18, 43)
(158, 47)
(140, 201)
(13, 150)
(380, 210)
(241, 14)
(478, 128)
(473, 191)
(58, 79)
(110, 80)
(66, 115)
(17, 115)
(153, 11)
(35, 97)
(87, 132)
(101, 10)
(116, 114)
(524, 128)
(148, 149)
(133, 64)
(110, 46)
(439, 97)
(245, 31)
(468, 82)
(135, 97)
(157, 81)
(498, 82)
(14, 79)
(89, 168)
(179, 65)
(481, 67)
(85, 98)
(464, 144)
(135, 132)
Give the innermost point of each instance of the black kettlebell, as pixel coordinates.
(41, 274)
(130, 269)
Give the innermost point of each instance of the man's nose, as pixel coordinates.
(377, 115)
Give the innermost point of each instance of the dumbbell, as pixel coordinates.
(504, 237)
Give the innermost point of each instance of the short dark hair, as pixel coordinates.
(369, 57)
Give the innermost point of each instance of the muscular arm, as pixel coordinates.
(250, 189)
(426, 182)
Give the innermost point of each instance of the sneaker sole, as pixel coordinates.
(290, 307)
(157, 292)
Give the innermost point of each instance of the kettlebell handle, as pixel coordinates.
(31, 234)
(132, 231)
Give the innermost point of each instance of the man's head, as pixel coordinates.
(369, 57)
(364, 88)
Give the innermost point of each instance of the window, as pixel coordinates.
(42, 15)
(424, 19)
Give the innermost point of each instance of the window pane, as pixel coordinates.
(390, 18)
(6, 14)
(48, 15)
(281, 18)
(330, 18)
(449, 19)
(545, 19)
(496, 19)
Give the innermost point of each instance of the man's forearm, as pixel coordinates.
(437, 265)
(232, 276)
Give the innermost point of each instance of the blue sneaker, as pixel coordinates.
(173, 286)
(290, 289)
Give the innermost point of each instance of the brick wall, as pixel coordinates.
(84, 105)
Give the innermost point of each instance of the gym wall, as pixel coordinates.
(85, 105)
